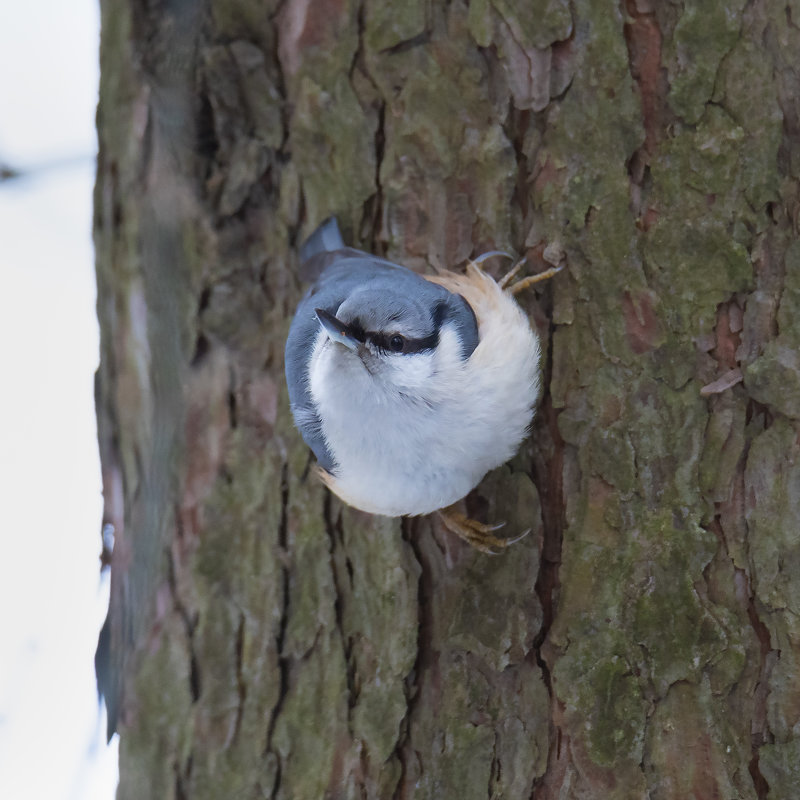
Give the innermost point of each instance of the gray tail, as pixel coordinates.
(325, 238)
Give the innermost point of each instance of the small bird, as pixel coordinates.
(409, 388)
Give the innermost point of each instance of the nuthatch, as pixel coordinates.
(409, 388)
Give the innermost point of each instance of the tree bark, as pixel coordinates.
(644, 640)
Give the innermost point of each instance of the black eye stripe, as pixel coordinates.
(357, 330)
(381, 340)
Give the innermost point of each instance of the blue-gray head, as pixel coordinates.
(395, 330)
(397, 314)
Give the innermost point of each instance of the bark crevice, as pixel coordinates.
(410, 528)
(283, 659)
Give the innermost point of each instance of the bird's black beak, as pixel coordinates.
(337, 330)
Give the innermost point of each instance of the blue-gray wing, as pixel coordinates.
(343, 271)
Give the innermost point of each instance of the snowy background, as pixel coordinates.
(52, 598)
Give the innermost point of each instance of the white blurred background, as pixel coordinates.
(52, 598)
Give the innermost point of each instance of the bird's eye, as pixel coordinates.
(396, 343)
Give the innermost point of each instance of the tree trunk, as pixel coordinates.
(643, 641)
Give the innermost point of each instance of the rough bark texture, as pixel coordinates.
(644, 641)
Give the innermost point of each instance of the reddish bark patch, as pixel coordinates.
(704, 783)
(345, 768)
(316, 23)
(647, 219)
(643, 37)
(641, 323)
(726, 335)
(304, 24)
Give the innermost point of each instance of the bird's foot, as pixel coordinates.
(524, 283)
(480, 536)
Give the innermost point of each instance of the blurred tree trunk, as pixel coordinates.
(644, 641)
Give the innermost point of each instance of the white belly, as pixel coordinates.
(398, 457)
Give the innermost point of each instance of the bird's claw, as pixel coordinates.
(478, 534)
(506, 281)
(524, 283)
